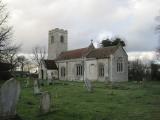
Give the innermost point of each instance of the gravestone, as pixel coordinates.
(9, 95)
(36, 88)
(45, 102)
(49, 81)
(26, 83)
(88, 85)
(41, 82)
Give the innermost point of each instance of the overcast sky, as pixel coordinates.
(133, 20)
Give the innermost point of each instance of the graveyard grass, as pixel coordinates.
(71, 101)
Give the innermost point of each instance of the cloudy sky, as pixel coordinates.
(133, 20)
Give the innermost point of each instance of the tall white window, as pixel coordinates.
(101, 70)
(120, 64)
(63, 72)
(79, 70)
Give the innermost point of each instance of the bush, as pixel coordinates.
(4, 71)
(155, 71)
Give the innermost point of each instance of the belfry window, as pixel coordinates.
(62, 39)
(52, 39)
(101, 70)
(79, 70)
(120, 64)
(63, 73)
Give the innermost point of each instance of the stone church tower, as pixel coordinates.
(57, 42)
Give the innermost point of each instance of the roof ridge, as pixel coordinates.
(102, 52)
(75, 49)
(107, 47)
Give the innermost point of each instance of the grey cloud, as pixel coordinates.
(85, 20)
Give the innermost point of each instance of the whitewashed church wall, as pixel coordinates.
(70, 66)
(60, 65)
(72, 71)
(105, 62)
(91, 70)
(52, 74)
(119, 76)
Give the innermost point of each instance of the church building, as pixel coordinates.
(95, 64)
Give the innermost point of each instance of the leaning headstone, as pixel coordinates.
(88, 85)
(9, 95)
(45, 102)
(36, 88)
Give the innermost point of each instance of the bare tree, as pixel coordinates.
(11, 56)
(22, 61)
(39, 54)
(5, 34)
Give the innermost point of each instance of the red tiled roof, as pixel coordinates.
(88, 52)
(50, 64)
(104, 52)
(77, 53)
(73, 54)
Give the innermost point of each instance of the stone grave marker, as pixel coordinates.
(41, 82)
(88, 85)
(45, 102)
(36, 88)
(49, 81)
(26, 83)
(9, 95)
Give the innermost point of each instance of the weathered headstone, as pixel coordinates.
(36, 88)
(26, 83)
(41, 82)
(88, 85)
(45, 102)
(9, 95)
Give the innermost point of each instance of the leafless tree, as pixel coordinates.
(5, 35)
(10, 56)
(39, 54)
(22, 61)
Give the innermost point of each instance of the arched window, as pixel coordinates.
(120, 64)
(79, 70)
(62, 39)
(52, 39)
(101, 70)
(63, 72)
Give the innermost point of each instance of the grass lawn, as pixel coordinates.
(71, 101)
